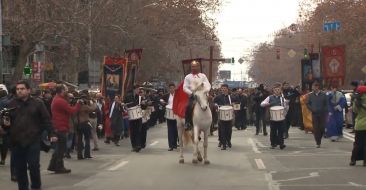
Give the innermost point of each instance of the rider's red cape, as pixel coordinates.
(180, 101)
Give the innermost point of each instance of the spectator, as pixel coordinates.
(28, 121)
(61, 114)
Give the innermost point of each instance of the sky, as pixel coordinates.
(242, 24)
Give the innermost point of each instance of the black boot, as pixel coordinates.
(188, 114)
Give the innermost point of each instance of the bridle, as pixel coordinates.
(198, 100)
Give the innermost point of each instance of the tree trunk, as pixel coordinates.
(25, 50)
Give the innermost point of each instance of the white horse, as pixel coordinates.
(202, 119)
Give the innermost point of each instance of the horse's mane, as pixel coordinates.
(199, 85)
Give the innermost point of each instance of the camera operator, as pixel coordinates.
(5, 130)
(83, 128)
(61, 114)
(28, 121)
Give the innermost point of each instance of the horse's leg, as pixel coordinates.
(180, 136)
(205, 145)
(199, 155)
(195, 146)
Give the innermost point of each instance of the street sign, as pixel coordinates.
(364, 69)
(241, 60)
(27, 70)
(332, 26)
(291, 53)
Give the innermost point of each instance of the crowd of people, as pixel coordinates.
(72, 121)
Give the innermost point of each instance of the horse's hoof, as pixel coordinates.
(206, 162)
(199, 157)
(194, 161)
(181, 161)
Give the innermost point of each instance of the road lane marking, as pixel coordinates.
(348, 136)
(350, 184)
(254, 147)
(355, 184)
(117, 166)
(260, 164)
(272, 184)
(260, 144)
(311, 154)
(311, 175)
(154, 143)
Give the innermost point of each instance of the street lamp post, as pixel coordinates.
(1, 43)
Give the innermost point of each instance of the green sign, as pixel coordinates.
(27, 70)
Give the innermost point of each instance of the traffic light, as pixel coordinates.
(27, 70)
(232, 60)
(306, 53)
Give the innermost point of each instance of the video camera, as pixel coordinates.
(83, 99)
(5, 116)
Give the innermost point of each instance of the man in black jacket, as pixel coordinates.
(28, 121)
(136, 99)
(260, 112)
(318, 106)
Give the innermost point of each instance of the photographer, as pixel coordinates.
(61, 114)
(28, 121)
(83, 128)
(5, 133)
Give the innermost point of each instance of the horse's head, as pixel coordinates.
(199, 89)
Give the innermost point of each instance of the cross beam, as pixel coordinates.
(200, 60)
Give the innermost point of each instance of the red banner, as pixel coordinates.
(334, 63)
(108, 60)
(133, 54)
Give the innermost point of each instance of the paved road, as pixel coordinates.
(249, 164)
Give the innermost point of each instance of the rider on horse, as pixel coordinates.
(195, 73)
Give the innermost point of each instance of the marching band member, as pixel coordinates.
(116, 119)
(276, 126)
(225, 129)
(145, 118)
(195, 73)
(132, 100)
(171, 123)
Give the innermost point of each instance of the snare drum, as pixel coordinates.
(169, 114)
(236, 107)
(151, 108)
(134, 113)
(277, 113)
(145, 116)
(226, 113)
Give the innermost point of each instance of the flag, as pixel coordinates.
(180, 101)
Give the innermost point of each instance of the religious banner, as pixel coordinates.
(334, 63)
(132, 70)
(133, 55)
(37, 72)
(114, 69)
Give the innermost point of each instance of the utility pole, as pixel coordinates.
(90, 41)
(1, 42)
(210, 66)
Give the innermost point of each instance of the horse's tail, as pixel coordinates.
(187, 138)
